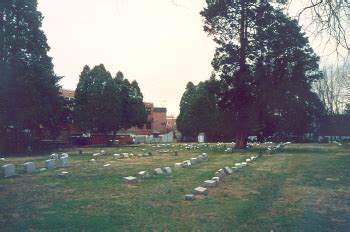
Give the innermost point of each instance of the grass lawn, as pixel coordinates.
(302, 187)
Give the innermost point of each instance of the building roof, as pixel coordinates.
(67, 93)
(159, 109)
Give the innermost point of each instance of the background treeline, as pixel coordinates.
(31, 106)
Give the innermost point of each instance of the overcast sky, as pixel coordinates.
(160, 45)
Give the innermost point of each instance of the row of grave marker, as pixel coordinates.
(9, 170)
(166, 170)
(221, 173)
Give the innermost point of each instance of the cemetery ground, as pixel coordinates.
(301, 187)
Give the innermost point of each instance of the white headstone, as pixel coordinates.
(64, 155)
(168, 170)
(186, 163)
(50, 164)
(106, 165)
(96, 154)
(9, 170)
(210, 183)
(244, 164)
(189, 197)
(130, 180)
(194, 161)
(92, 161)
(143, 174)
(216, 179)
(178, 165)
(64, 162)
(200, 191)
(158, 171)
(54, 156)
(116, 156)
(238, 165)
(228, 170)
(29, 167)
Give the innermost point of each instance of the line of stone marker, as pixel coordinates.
(222, 172)
(9, 170)
(166, 170)
(218, 176)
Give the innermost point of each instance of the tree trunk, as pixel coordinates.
(114, 136)
(241, 139)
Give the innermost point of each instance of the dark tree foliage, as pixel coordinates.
(285, 68)
(266, 68)
(29, 89)
(185, 120)
(104, 104)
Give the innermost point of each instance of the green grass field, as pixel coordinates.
(299, 188)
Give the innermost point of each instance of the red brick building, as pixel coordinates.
(156, 121)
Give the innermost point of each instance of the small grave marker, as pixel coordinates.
(9, 170)
(29, 167)
(210, 183)
(168, 170)
(228, 170)
(130, 180)
(158, 171)
(64, 162)
(143, 174)
(50, 164)
(178, 165)
(189, 197)
(200, 191)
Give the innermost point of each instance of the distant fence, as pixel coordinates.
(165, 138)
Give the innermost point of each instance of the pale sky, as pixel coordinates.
(160, 45)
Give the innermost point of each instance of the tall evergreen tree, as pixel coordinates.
(97, 101)
(265, 65)
(29, 89)
(105, 104)
(185, 121)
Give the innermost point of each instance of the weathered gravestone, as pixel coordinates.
(116, 156)
(238, 165)
(200, 191)
(50, 164)
(130, 180)
(189, 197)
(143, 174)
(186, 163)
(200, 158)
(194, 161)
(64, 162)
(158, 171)
(9, 170)
(106, 165)
(228, 170)
(210, 183)
(216, 179)
(29, 167)
(168, 170)
(54, 156)
(205, 156)
(178, 165)
(96, 154)
(63, 174)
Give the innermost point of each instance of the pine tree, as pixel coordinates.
(185, 121)
(29, 90)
